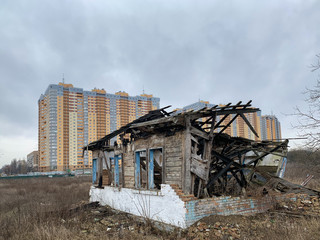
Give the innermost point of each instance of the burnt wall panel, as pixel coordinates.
(128, 165)
(172, 152)
(173, 159)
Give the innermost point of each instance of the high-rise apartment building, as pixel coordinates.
(33, 161)
(267, 127)
(70, 118)
(271, 128)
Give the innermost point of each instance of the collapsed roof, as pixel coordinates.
(216, 159)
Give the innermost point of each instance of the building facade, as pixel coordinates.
(33, 161)
(70, 118)
(271, 128)
(267, 127)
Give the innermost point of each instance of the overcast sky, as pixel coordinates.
(180, 51)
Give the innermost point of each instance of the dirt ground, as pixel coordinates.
(58, 208)
(104, 223)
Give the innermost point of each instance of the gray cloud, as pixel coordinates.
(178, 50)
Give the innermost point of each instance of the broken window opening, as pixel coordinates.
(155, 168)
(108, 168)
(94, 170)
(141, 169)
(117, 171)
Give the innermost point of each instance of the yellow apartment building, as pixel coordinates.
(70, 118)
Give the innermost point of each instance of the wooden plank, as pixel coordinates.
(249, 124)
(174, 159)
(249, 110)
(129, 172)
(199, 169)
(100, 171)
(174, 170)
(198, 157)
(129, 184)
(229, 123)
(174, 156)
(164, 165)
(174, 143)
(127, 169)
(219, 174)
(199, 188)
(128, 165)
(208, 149)
(129, 181)
(221, 120)
(152, 122)
(173, 175)
(187, 173)
(129, 177)
(199, 133)
(183, 161)
(194, 139)
(174, 164)
(174, 180)
(192, 183)
(173, 149)
(105, 156)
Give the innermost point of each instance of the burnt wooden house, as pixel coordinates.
(187, 150)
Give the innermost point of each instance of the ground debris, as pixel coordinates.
(300, 208)
(120, 225)
(218, 230)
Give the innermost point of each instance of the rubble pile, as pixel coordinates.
(98, 222)
(217, 230)
(301, 206)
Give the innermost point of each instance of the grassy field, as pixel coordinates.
(34, 208)
(55, 208)
(300, 164)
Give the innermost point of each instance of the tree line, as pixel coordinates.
(16, 167)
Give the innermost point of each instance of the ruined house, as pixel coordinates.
(179, 168)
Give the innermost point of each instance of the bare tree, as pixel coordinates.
(309, 118)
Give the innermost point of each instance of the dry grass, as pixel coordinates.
(39, 208)
(300, 164)
(33, 208)
(297, 173)
(269, 226)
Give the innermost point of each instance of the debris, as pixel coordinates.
(307, 180)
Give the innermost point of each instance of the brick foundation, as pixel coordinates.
(171, 206)
(227, 205)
